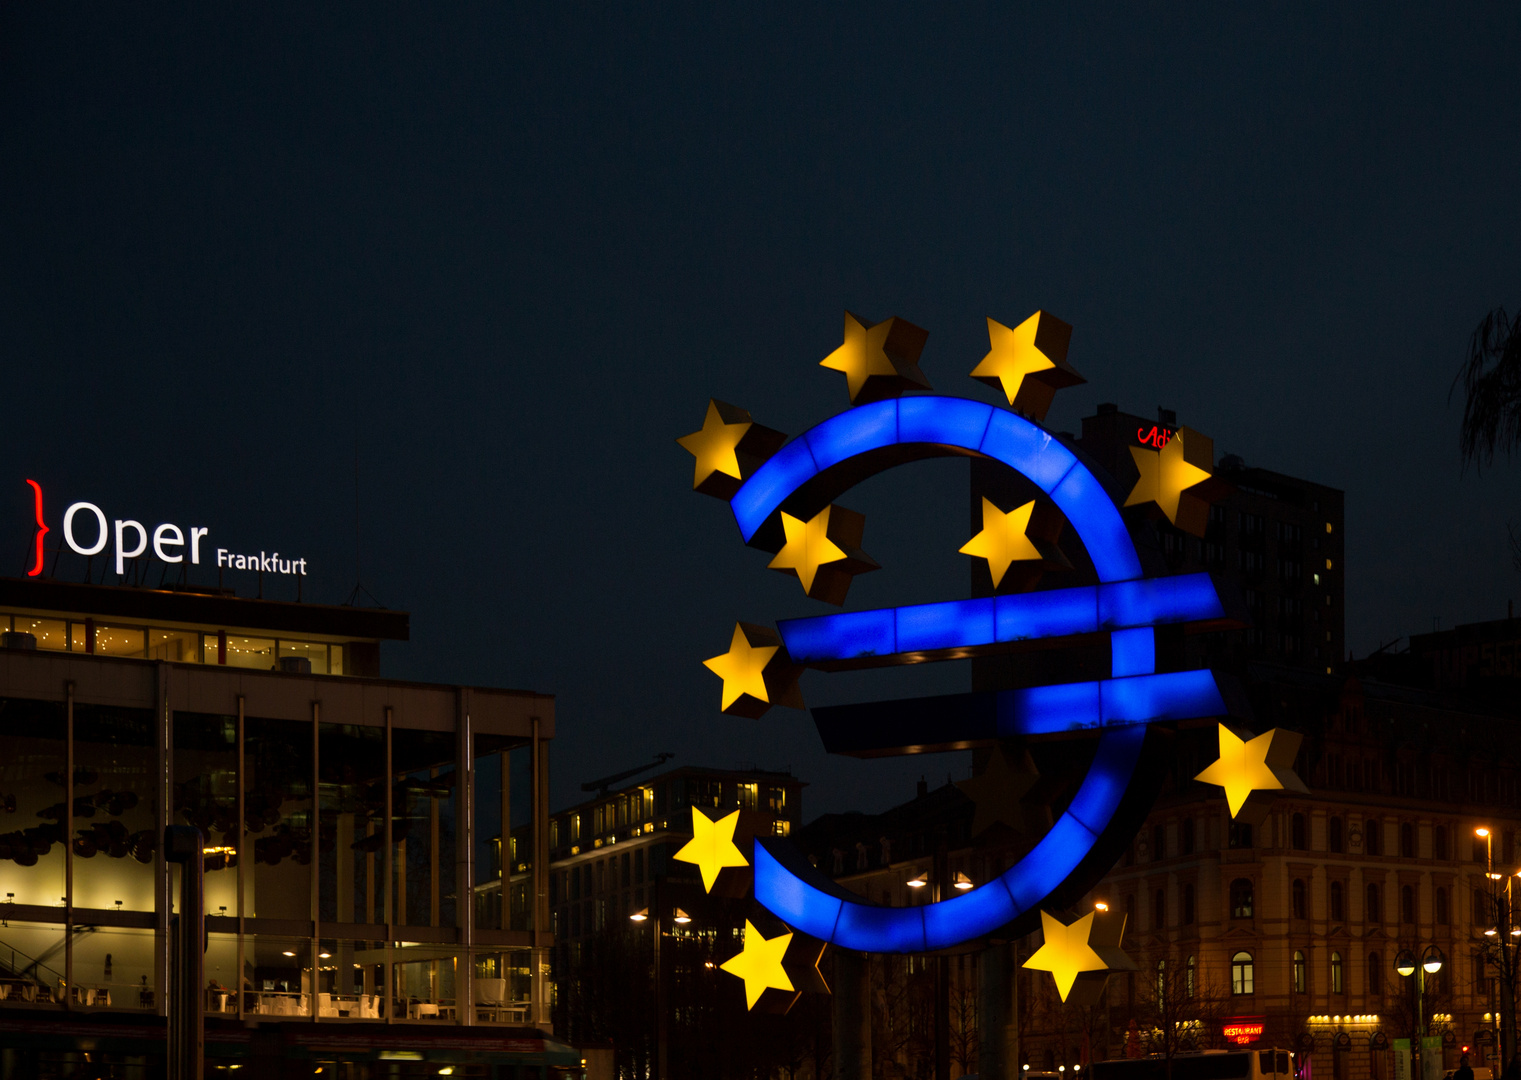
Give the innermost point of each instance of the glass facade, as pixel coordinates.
(349, 874)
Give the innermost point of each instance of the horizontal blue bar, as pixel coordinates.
(1139, 699)
(954, 624)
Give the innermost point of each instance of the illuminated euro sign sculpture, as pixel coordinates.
(782, 494)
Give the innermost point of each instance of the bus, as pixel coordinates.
(1206, 1065)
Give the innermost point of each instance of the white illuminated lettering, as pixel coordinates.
(122, 554)
(68, 528)
(167, 535)
(196, 532)
(303, 567)
(242, 563)
(222, 554)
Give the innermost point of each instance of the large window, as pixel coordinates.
(1297, 832)
(1336, 974)
(1241, 899)
(1374, 911)
(1301, 973)
(1373, 835)
(1338, 905)
(1439, 905)
(1407, 904)
(1242, 977)
(1298, 899)
(1334, 840)
(1375, 978)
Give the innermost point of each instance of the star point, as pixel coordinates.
(879, 360)
(712, 846)
(756, 672)
(759, 964)
(824, 552)
(1246, 767)
(1028, 362)
(728, 448)
(1066, 952)
(999, 794)
(1178, 479)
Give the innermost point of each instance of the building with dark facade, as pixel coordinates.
(375, 850)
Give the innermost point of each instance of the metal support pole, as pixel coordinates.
(852, 1015)
(941, 878)
(996, 992)
(662, 1026)
(242, 856)
(389, 891)
(184, 845)
(68, 849)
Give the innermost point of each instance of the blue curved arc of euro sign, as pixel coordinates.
(859, 636)
(869, 928)
(971, 427)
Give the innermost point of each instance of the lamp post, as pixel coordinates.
(1406, 965)
(1499, 944)
(655, 915)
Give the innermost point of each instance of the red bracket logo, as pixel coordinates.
(42, 528)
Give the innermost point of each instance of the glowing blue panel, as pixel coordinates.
(1160, 600)
(855, 431)
(969, 915)
(1097, 520)
(792, 900)
(1044, 710)
(1176, 695)
(1030, 449)
(847, 636)
(1049, 862)
(877, 929)
(949, 625)
(944, 421)
(1109, 775)
(1133, 652)
(782, 474)
(1055, 613)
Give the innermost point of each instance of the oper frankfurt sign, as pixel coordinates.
(86, 532)
(782, 496)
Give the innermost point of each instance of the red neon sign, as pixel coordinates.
(42, 529)
(1157, 436)
(1242, 1030)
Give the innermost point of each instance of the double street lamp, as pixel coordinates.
(1406, 965)
(1500, 946)
(656, 915)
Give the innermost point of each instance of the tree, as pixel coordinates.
(1181, 1010)
(1491, 378)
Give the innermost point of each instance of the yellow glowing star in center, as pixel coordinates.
(1066, 952)
(1002, 540)
(742, 669)
(1165, 473)
(808, 546)
(712, 846)
(760, 964)
(716, 446)
(1012, 355)
(1242, 767)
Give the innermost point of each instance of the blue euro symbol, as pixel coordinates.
(812, 470)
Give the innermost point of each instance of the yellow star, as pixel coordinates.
(760, 964)
(880, 360)
(742, 668)
(1029, 362)
(808, 546)
(1002, 540)
(727, 449)
(1066, 952)
(1243, 767)
(1165, 473)
(712, 846)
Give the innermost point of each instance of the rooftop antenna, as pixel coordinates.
(359, 589)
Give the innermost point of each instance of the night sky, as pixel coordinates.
(508, 254)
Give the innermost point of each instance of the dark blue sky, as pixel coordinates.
(515, 251)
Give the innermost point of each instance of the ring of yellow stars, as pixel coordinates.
(1028, 362)
(880, 360)
(1066, 952)
(1167, 473)
(728, 448)
(756, 672)
(760, 964)
(1002, 541)
(712, 846)
(1248, 765)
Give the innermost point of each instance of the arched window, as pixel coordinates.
(1439, 903)
(1301, 905)
(1333, 835)
(1296, 832)
(1159, 911)
(1375, 978)
(1301, 973)
(1439, 842)
(1241, 899)
(1188, 981)
(1480, 908)
(1159, 841)
(1188, 836)
(1242, 980)
(1336, 983)
(1188, 904)
(1407, 840)
(1337, 907)
(1239, 836)
(1375, 911)
(1161, 980)
(1407, 904)
(1372, 835)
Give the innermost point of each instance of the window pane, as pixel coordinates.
(115, 827)
(351, 848)
(130, 641)
(252, 653)
(313, 653)
(31, 774)
(206, 796)
(50, 633)
(180, 646)
(423, 831)
(278, 802)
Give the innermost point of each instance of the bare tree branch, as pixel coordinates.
(1491, 380)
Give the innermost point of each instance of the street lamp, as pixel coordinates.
(1405, 965)
(1497, 948)
(654, 914)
